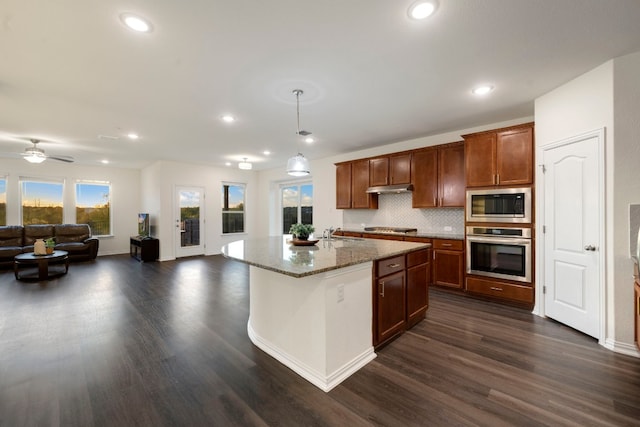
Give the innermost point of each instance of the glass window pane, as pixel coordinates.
(41, 202)
(290, 197)
(306, 204)
(3, 201)
(189, 218)
(233, 208)
(93, 207)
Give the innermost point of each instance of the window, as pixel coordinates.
(3, 200)
(297, 205)
(233, 208)
(93, 206)
(41, 201)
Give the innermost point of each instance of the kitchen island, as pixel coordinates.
(311, 306)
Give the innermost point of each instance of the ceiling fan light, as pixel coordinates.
(244, 165)
(298, 165)
(35, 157)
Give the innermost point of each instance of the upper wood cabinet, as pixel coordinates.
(352, 181)
(389, 170)
(502, 157)
(438, 176)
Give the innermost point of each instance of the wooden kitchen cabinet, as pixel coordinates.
(636, 287)
(502, 157)
(516, 293)
(448, 263)
(352, 181)
(418, 280)
(390, 170)
(389, 296)
(438, 176)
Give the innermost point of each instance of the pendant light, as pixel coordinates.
(298, 165)
(244, 165)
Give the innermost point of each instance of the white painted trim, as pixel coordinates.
(323, 382)
(622, 347)
(539, 308)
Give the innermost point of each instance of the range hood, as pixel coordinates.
(397, 188)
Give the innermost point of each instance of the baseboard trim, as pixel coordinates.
(621, 347)
(323, 382)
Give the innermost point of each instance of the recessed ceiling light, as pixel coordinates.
(266, 152)
(308, 140)
(422, 9)
(105, 162)
(136, 23)
(482, 90)
(228, 164)
(132, 135)
(228, 118)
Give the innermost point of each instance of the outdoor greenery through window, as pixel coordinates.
(3, 201)
(233, 208)
(41, 202)
(297, 205)
(93, 207)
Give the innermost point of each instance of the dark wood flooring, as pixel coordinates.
(116, 342)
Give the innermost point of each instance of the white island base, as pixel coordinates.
(319, 325)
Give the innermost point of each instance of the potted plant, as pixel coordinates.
(301, 231)
(50, 244)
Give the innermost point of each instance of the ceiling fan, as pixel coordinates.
(37, 155)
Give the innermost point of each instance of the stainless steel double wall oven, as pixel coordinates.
(503, 249)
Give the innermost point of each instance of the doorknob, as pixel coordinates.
(590, 248)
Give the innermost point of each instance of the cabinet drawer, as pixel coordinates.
(417, 257)
(508, 291)
(384, 267)
(417, 239)
(450, 244)
(381, 236)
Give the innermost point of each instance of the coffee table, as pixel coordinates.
(47, 266)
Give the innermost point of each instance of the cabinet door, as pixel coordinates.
(360, 199)
(514, 157)
(424, 177)
(418, 278)
(379, 171)
(343, 186)
(391, 308)
(400, 169)
(637, 313)
(451, 183)
(447, 268)
(480, 160)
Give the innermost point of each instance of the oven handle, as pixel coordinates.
(499, 240)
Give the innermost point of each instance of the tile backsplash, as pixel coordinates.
(394, 210)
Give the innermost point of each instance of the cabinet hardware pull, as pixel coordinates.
(638, 305)
(394, 265)
(498, 179)
(447, 244)
(382, 289)
(493, 179)
(493, 288)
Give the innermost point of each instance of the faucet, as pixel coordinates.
(328, 233)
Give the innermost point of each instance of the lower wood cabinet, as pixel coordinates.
(637, 312)
(389, 296)
(448, 263)
(506, 291)
(418, 280)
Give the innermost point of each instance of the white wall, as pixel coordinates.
(323, 175)
(608, 97)
(125, 195)
(159, 183)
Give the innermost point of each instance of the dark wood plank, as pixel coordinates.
(118, 342)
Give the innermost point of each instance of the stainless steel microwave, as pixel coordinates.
(509, 205)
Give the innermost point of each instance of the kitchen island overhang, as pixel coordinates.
(310, 307)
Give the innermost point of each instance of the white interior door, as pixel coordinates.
(573, 218)
(189, 221)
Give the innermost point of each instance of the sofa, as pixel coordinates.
(73, 238)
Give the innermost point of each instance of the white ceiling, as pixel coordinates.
(71, 71)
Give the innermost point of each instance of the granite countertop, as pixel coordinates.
(428, 235)
(279, 255)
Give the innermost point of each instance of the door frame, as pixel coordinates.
(539, 307)
(176, 215)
